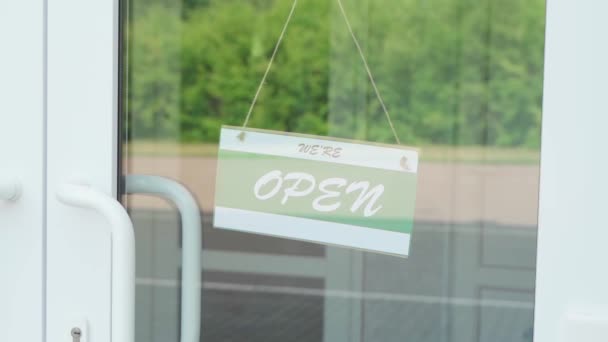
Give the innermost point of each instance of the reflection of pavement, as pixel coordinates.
(447, 192)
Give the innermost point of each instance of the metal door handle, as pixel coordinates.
(10, 190)
(123, 254)
(191, 244)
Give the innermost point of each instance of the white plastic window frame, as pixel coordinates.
(571, 296)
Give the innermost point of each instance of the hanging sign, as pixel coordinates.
(317, 189)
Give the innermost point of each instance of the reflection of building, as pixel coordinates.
(470, 276)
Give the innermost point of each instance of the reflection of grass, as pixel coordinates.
(434, 153)
(480, 154)
(170, 148)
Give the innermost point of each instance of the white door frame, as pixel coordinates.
(82, 142)
(571, 292)
(22, 161)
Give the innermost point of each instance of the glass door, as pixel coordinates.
(344, 170)
(462, 81)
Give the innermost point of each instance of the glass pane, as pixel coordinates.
(462, 82)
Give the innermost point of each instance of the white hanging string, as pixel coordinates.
(274, 53)
(369, 71)
(359, 49)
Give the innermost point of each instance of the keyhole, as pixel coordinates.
(76, 334)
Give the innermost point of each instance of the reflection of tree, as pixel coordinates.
(450, 71)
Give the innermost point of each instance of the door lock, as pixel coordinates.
(76, 334)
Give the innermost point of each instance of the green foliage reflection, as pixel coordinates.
(458, 72)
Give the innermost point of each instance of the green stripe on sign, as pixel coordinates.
(238, 173)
